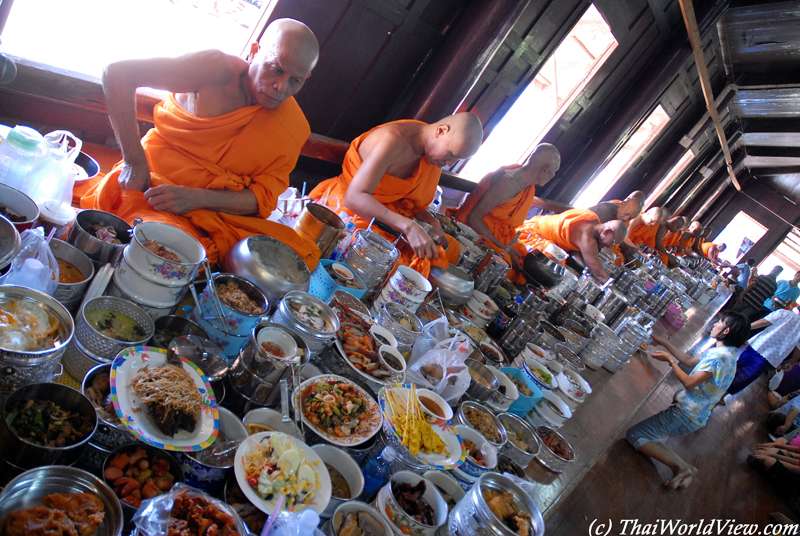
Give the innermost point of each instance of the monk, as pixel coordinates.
(673, 238)
(578, 230)
(689, 237)
(697, 247)
(503, 198)
(624, 210)
(642, 230)
(391, 173)
(711, 251)
(224, 140)
(666, 230)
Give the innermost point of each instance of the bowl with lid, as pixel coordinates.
(309, 317)
(411, 283)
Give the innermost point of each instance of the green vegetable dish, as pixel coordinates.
(115, 325)
(44, 423)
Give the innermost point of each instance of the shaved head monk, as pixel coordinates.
(503, 198)
(669, 235)
(690, 236)
(577, 230)
(624, 210)
(224, 140)
(391, 173)
(642, 230)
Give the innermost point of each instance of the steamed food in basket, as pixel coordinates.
(115, 325)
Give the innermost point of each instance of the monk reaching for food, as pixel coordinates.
(391, 172)
(224, 142)
(576, 230)
(502, 200)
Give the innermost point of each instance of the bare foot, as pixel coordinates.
(682, 478)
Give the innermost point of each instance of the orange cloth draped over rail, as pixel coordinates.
(403, 196)
(643, 234)
(252, 148)
(556, 228)
(504, 219)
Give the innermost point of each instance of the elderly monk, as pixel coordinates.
(503, 198)
(672, 228)
(624, 210)
(391, 173)
(577, 230)
(711, 251)
(223, 145)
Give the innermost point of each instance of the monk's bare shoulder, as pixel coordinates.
(391, 145)
(221, 91)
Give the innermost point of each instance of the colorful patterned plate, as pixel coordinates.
(134, 415)
(373, 423)
(447, 432)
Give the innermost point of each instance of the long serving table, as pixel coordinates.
(616, 398)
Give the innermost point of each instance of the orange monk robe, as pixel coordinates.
(504, 219)
(705, 247)
(406, 197)
(252, 148)
(644, 235)
(672, 239)
(685, 243)
(556, 228)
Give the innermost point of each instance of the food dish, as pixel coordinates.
(171, 399)
(115, 325)
(99, 394)
(357, 346)
(44, 423)
(133, 414)
(157, 249)
(70, 513)
(308, 476)
(26, 326)
(354, 415)
(446, 460)
(135, 476)
(483, 422)
(501, 504)
(68, 273)
(235, 298)
(193, 515)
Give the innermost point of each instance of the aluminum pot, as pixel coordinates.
(269, 264)
(71, 294)
(110, 432)
(476, 390)
(100, 252)
(17, 367)
(26, 490)
(519, 430)
(27, 455)
(9, 242)
(548, 458)
(454, 284)
(21, 205)
(461, 418)
(320, 225)
(317, 339)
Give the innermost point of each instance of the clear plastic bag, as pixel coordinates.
(155, 515)
(437, 361)
(35, 266)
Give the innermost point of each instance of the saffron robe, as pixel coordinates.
(252, 148)
(556, 228)
(406, 197)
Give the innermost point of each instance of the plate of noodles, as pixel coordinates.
(167, 403)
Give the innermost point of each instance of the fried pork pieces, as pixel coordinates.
(72, 514)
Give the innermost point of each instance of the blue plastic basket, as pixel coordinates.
(522, 405)
(322, 285)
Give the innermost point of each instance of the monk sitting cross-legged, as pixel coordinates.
(642, 230)
(503, 198)
(577, 230)
(223, 145)
(391, 173)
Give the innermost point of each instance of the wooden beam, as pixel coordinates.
(700, 60)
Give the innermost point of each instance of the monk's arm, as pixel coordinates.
(182, 199)
(184, 74)
(635, 222)
(591, 255)
(503, 188)
(696, 247)
(358, 196)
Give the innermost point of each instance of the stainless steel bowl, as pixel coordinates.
(462, 419)
(71, 294)
(315, 339)
(341, 297)
(269, 264)
(100, 252)
(9, 242)
(454, 284)
(476, 390)
(428, 313)
(28, 489)
(391, 316)
(540, 270)
(514, 424)
(26, 455)
(547, 457)
(171, 327)
(102, 345)
(110, 433)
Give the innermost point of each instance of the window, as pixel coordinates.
(673, 173)
(787, 254)
(86, 35)
(739, 236)
(599, 185)
(558, 83)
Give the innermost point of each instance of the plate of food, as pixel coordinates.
(269, 465)
(357, 346)
(339, 411)
(166, 403)
(437, 445)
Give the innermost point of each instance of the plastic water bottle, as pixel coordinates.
(350, 228)
(20, 151)
(290, 524)
(377, 470)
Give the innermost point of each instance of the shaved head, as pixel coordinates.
(652, 216)
(696, 227)
(612, 233)
(453, 138)
(629, 209)
(542, 164)
(676, 224)
(296, 37)
(467, 127)
(639, 196)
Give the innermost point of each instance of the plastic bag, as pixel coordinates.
(155, 515)
(775, 381)
(437, 353)
(35, 266)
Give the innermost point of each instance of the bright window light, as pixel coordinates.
(676, 170)
(558, 83)
(602, 182)
(787, 254)
(739, 235)
(86, 35)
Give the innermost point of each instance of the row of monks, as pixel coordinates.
(230, 131)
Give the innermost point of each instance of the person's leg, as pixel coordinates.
(749, 366)
(682, 472)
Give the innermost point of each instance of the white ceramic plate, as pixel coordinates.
(318, 502)
(133, 413)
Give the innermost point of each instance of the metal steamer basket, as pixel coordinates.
(20, 368)
(315, 339)
(373, 258)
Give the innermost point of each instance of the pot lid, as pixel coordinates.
(208, 357)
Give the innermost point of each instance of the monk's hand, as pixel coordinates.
(422, 244)
(134, 176)
(174, 199)
(516, 259)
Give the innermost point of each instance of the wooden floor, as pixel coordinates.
(624, 484)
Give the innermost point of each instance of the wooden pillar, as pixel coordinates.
(462, 60)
